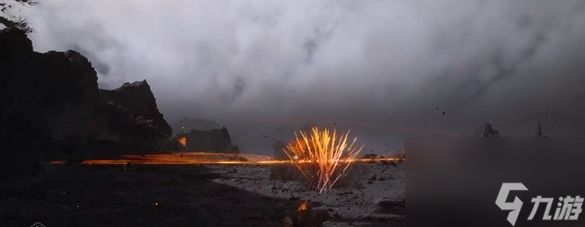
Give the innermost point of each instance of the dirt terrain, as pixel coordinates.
(372, 192)
(187, 195)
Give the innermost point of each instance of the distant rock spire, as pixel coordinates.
(539, 130)
(489, 131)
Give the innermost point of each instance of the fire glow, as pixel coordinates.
(209, 158)
(322, 156)
(182, 140)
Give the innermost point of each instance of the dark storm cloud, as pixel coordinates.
(498, 69)
(385, 62)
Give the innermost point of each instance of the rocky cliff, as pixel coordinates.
(138, 100)
(213, 140)
(51, 107)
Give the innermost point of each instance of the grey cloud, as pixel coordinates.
(101, 67)
(389, 63)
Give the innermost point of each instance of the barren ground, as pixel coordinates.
(185, 195)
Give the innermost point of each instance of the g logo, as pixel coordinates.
(513, 207)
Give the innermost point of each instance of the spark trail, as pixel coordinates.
(322, 156)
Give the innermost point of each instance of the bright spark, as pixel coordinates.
(322, 156)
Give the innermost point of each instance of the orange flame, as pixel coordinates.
(182, 140)
(208, 158)
(322, 156)
(304, 206)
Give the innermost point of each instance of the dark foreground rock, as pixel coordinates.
(51, 108)
(138, 100)
(137, 196)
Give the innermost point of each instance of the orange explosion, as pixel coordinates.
(322, 156)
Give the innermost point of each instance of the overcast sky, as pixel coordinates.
(388, 64)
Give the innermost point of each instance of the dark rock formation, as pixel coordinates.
(185, 125)
(489, 131)
(51, 107)
(139, 101)
(214, 140)
(539, 130)
(486, 130)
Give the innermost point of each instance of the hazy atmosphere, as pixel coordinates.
(292, 112)
(383, 68)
